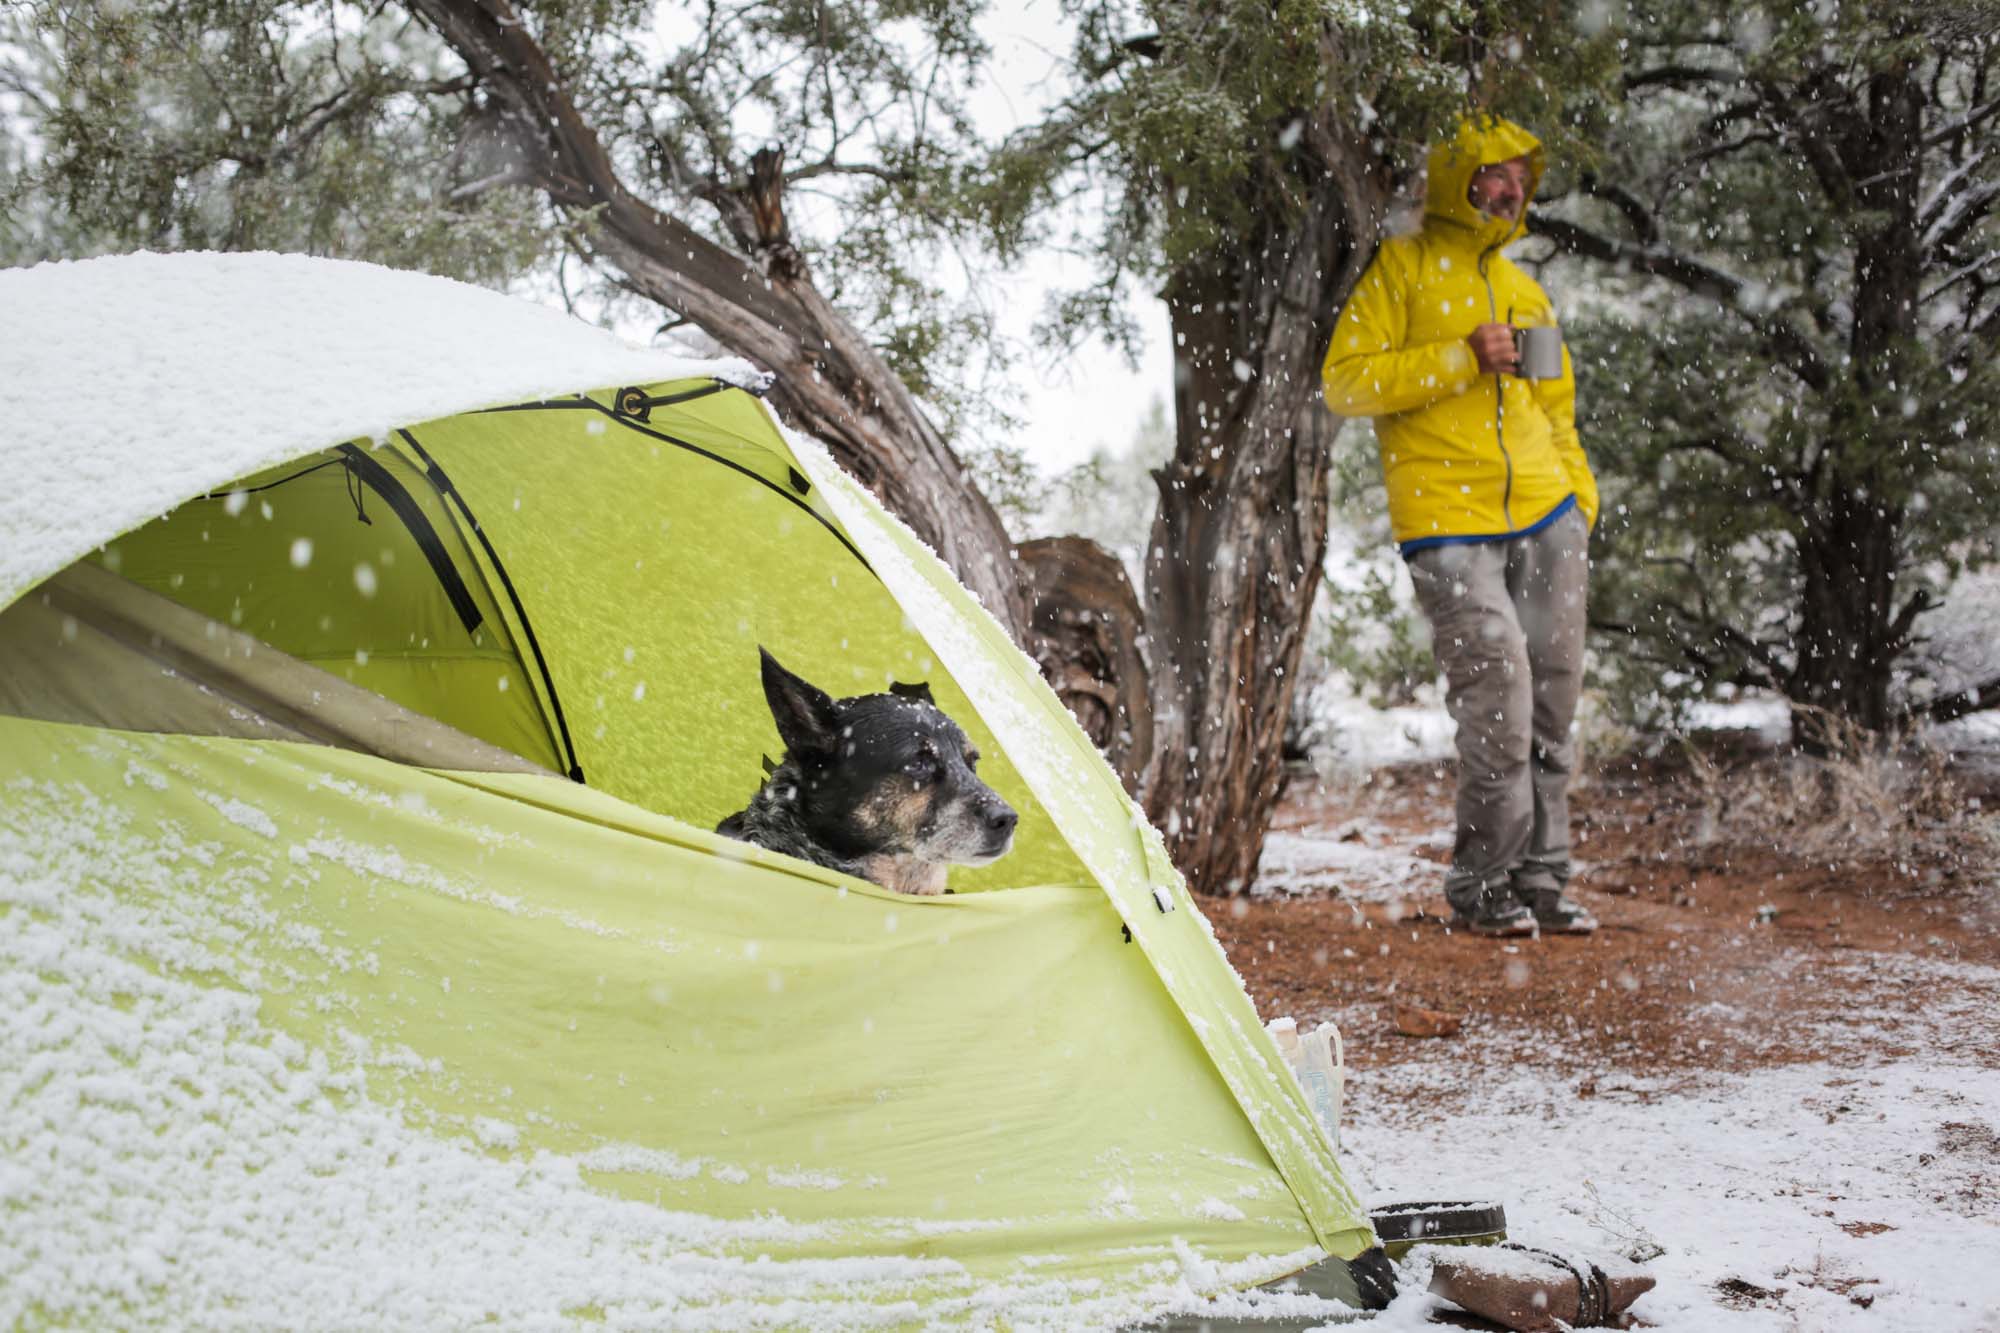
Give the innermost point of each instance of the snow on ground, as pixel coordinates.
(1974, 742)
(1357, 737)
(1855, 1193)
(1810, 1197)
(1360, 859)
(1351, 737)
(1980, 733)
(1767, 715)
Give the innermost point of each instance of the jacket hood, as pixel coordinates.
(1475, 142)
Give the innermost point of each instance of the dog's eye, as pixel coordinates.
(924, 767)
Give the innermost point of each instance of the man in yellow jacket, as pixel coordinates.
(1491, 502)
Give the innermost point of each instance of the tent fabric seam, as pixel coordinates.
(586, 403)
(642, 428)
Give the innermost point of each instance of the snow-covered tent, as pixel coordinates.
(376, 654)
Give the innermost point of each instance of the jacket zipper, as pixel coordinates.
(1499, 403)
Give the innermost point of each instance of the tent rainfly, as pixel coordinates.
(377, 653)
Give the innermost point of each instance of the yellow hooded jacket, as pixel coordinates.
(1466, 456)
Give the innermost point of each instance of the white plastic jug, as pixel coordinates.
(1317, 1062)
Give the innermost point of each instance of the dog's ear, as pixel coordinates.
(920, 691)
(807, 719)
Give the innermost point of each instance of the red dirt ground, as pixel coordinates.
(1692, 927)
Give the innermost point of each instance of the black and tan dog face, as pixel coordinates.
(887, 780)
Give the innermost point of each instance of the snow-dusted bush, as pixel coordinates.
(1896, 799)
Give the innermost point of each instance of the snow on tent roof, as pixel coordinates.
(109, 410)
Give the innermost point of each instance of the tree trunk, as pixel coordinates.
(1851, 631)
(1240, 535)
(1088, 636)
(1846, 645)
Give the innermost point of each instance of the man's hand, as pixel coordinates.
(1493, 345)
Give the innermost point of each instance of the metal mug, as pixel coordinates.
(1538, 352)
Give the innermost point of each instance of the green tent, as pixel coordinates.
(377, 655)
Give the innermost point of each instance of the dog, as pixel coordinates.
(880, 786)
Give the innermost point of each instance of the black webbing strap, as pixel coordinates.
(1593, 1290)
(633, 401)
(406, 508)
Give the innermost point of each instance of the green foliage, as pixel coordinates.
(1196, 130)
(235, 125)
(1377, 638)
(1737, 490)
(1654, 392)
(946, 348)
(345, 127)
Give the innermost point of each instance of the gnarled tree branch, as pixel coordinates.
(1645, 226)
(1786, 344)
(1959, 703)
(840, 388)
(1679, 76)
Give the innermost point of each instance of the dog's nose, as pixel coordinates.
(1001, 821)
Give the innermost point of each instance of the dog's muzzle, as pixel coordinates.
(999, 820)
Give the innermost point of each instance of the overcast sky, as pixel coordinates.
(1092, 398)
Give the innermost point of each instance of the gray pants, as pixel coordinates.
(1507, 621)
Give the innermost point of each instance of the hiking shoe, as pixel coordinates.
(1556, 913)
(1497, 915)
